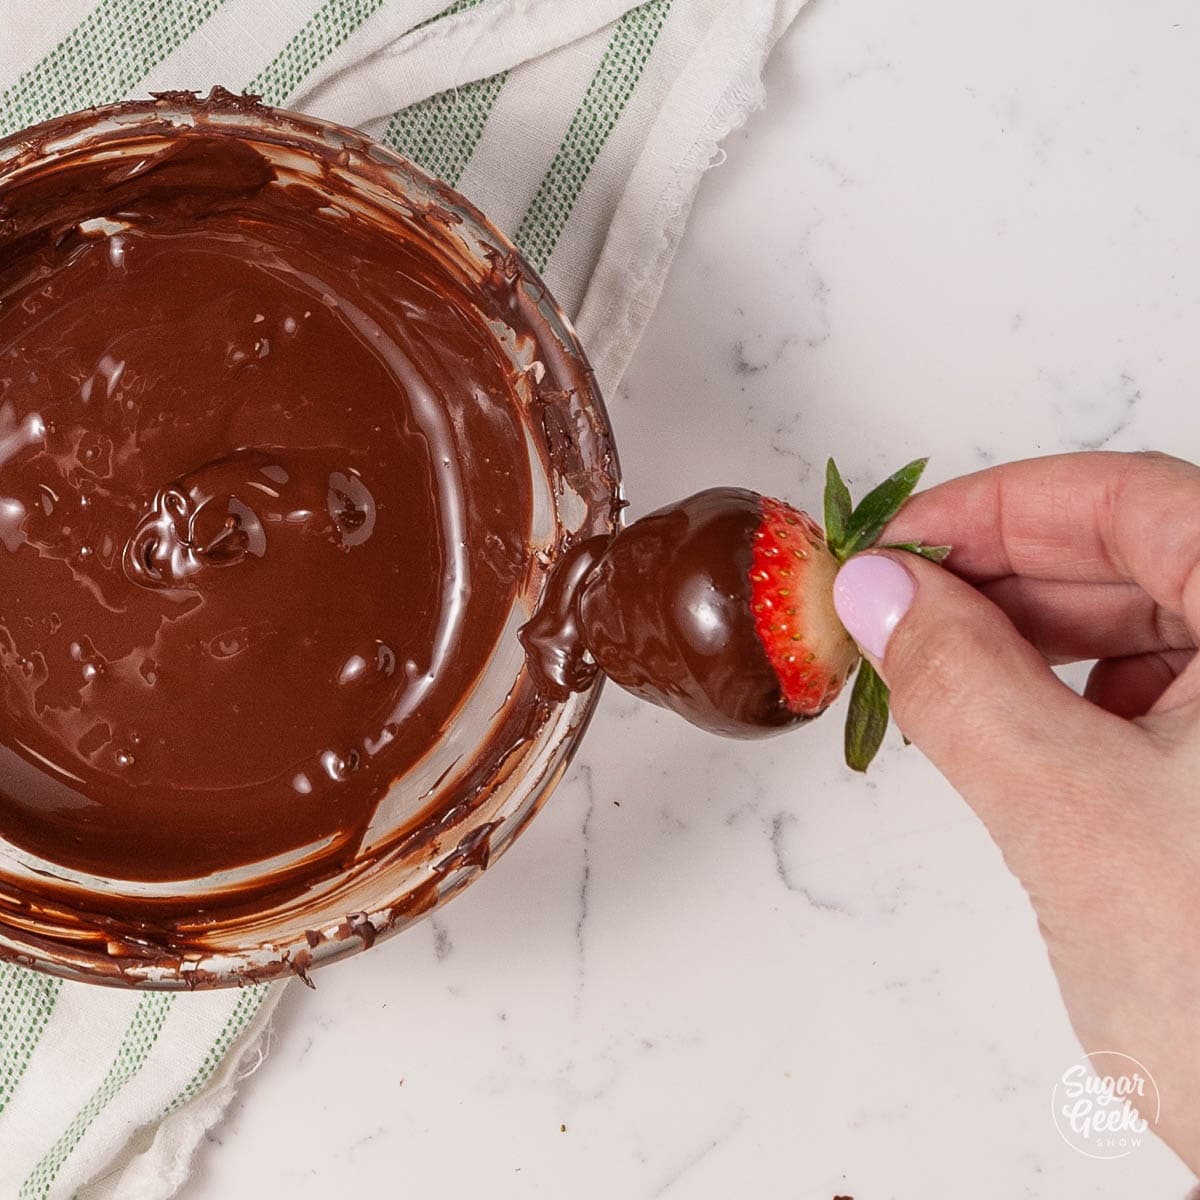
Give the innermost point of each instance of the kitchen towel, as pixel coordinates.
(581, 127)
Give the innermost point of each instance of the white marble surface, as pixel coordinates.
(958, 229)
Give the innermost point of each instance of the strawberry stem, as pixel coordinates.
(849, 530)
(879, 506)
(837, 511)
(935, 554)
(867, 718)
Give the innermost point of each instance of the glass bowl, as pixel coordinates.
(461, 806)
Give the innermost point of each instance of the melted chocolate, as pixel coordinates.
(663, 609)
(552, 638)
(264, 506)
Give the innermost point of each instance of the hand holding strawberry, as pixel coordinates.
(722, 607)
(1092, 798)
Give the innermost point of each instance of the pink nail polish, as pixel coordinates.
(871, 594)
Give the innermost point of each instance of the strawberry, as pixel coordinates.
(720, 607)
(791, 580)
(791, 597)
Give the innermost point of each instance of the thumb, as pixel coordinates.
(977, 698)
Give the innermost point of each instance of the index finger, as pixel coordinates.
(1091, 518)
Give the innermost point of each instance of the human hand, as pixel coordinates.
(1094, 801)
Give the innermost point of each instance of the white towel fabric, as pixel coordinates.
(581, 127)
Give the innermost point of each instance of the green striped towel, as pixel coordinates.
(582, 128)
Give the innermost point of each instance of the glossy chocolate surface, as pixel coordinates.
(264, 506)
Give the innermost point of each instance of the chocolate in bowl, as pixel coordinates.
(290, 438)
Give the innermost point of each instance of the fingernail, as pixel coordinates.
(871, 594)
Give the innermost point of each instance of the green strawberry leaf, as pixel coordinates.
(935, 554)
(847, 531)
(837, 510)
(879, 506)
(867, 717)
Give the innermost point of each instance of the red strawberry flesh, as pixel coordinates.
(791, 579)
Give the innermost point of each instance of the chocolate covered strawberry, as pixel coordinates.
(720, 607)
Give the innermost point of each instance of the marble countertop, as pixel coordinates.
(711, 968)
